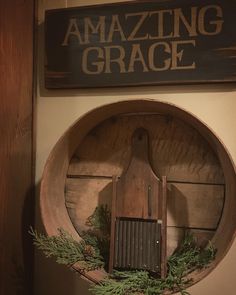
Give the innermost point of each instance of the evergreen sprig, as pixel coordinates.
(93, 252)
(100, 219)
(99, 233)
(90, 252)
(185, 260)
(68, 251)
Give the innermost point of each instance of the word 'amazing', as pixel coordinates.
(162, 54)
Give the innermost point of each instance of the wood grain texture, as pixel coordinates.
(16, 179)
(138, 187)
(194, 207)
(81, 192)
(177, 150)
(188, 205)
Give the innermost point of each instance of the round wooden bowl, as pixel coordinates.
(55, 213)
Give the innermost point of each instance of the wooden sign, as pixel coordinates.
(141, 43)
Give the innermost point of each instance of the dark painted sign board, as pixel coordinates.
(141, 43)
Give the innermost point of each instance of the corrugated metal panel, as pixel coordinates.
(137, 244)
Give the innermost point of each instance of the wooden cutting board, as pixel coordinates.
(138, 187)
(139, 196)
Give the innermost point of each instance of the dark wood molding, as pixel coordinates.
(16, 152)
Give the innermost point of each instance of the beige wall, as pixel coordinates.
(57, 110)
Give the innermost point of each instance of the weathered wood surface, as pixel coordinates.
(195, 195)
(195, 205)
(138, 188)
(189, 206)
(82, 196)
(16, 177)
(177, 150)
(138, 195)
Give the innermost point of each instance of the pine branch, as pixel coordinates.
(100, 220)
(99, 233)
(67, 251)
(93, 250)
(185, 260)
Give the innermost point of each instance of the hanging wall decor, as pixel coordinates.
(141, 43)
(113, 159)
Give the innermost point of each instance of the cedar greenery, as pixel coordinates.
(93, 253)
(68, 251)
(185, 260)
(98, 236)
(100, 219)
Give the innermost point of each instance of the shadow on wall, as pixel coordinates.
(28, 215)
(178, 206)
(50, 277)
(59, 279)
